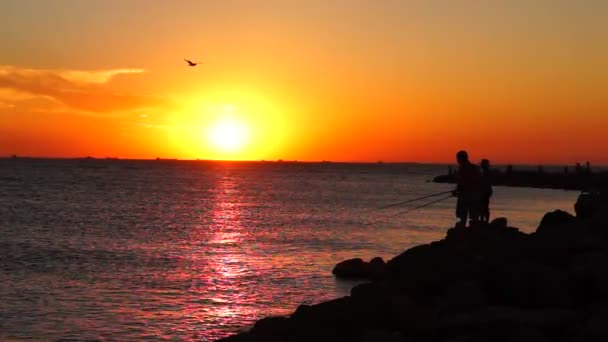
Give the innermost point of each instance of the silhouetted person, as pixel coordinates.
(588, 169)
(486, 191)
(509, 170)
(579, 168)
(467, 189)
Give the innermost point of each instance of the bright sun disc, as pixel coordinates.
(228, 135)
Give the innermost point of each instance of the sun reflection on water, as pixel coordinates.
(225, 274)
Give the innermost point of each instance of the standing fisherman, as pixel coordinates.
(468, 189)
(486, 191)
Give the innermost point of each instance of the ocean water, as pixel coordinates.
(136, 250)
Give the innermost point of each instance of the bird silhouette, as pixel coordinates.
(191, 63)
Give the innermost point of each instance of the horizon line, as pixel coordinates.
(280, 161)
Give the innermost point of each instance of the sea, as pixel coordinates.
(125, 250)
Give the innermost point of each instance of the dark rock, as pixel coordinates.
(584, 206)
(500, 222)
(377, 262)
(589, 204)
(461, 296)
(381, 336)
(527, 334)
(499, 320)
(527, 285)
(557, 220)
(589, 278)
(359, 269)
(352, 268)
(487, 282)
(423, 270)
(338, 314)
(269, 326)
(596, 328)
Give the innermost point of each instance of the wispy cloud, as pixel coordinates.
(80, 90)
(78, 76)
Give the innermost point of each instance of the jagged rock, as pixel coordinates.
(557, 220)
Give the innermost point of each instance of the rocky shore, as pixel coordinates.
(488, 282)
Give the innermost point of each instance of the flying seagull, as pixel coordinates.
(191, 63)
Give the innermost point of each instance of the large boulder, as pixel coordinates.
(554, 221)
(589, 204)
(497, 323)
(499, 222)
(359, 269)
(422, 271)
(588, 277)
(596, 327)
(527, 285)
(527, 334)
(461, 296)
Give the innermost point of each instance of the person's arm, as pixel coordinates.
(458, 185)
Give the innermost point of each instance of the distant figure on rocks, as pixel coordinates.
(468, 189)
(486, 191)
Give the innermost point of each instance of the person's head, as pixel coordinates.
(462, 157)
(485, 164)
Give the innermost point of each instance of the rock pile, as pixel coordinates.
(488, 282)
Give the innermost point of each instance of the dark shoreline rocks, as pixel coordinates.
(488, 282)
(359, 269)
(584, 181)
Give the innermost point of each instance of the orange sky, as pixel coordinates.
(306, 80)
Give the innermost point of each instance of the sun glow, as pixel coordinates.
(228, 125)
(228, 134)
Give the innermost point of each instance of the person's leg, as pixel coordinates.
(461, 210)
(474, 207)
(486, 209)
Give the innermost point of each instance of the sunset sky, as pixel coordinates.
(513, 81)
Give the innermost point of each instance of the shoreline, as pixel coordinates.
(489, 282)
(581, 180)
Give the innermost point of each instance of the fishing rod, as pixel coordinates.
(422, 206)
(414, 200)
(412, 209)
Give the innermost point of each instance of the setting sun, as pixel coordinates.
(228, 135)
